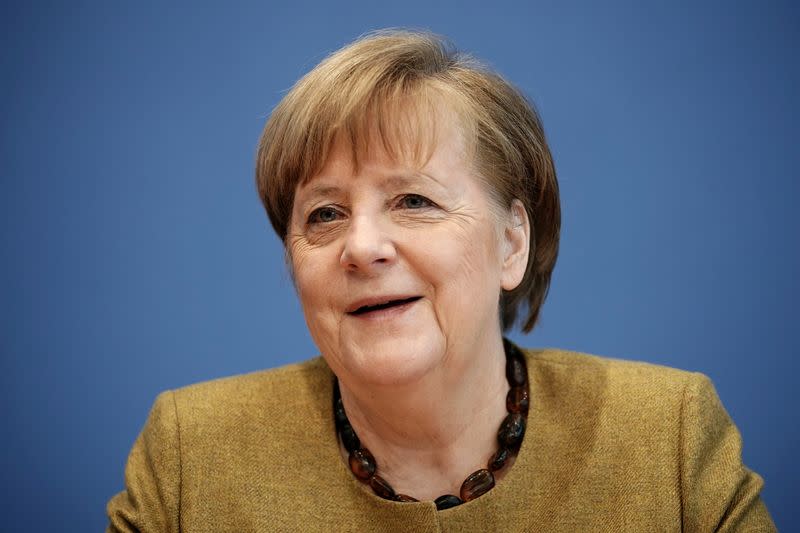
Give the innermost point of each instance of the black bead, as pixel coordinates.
(349, 438)
(512, 350)
(511, 431)
(516, 373)
(338, 413)
(447, 501)
(498, 460)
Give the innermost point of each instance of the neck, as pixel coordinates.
(429, 435)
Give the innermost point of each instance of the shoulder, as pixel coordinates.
(253, 387)
(211, 449)
(612, 393)
(622, 424)
(260, 399)
(588, 372)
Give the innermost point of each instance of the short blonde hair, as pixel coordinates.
(390, 81)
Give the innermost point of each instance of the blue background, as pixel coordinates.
(136, 256)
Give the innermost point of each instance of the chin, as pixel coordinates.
(393, 359)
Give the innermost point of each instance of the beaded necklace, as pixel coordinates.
(509, 439)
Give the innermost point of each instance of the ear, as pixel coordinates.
(516, 244)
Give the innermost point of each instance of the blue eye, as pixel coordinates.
(415, 201)
(323, 215)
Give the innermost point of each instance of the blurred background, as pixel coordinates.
(136, 256)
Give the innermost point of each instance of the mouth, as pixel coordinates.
(380, 306)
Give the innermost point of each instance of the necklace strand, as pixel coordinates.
(509, 439)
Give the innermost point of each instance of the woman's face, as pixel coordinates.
(399, 269)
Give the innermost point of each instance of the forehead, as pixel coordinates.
(403, 130)
(440, 158)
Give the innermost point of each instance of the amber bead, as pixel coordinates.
(515, 372)
(447, 501)
(362, 463)
(517, 400)
(511, 431)
(404, 498)
(477, 484)
(498, 460)
(381, 487)
(349, 437)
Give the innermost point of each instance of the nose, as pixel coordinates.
(367, 248)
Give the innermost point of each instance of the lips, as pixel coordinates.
(379, 304)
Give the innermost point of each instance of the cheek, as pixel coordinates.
(307, 264)
(465, 271)
(314, 284)
(472, 251)
(322, 323)
(298, 252)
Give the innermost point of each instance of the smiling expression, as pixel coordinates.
(399, 268)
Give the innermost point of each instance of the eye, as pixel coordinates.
(323, 215)
(414, 201)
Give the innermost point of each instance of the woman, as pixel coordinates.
(418, 204)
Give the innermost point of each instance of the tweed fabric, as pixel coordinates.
(610, 446)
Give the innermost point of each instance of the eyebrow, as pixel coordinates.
(394, 180)
(323, 190)
(403, 179)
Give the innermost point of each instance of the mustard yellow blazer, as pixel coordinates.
(610, 446)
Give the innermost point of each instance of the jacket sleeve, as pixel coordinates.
(151, 499)
(719, 492)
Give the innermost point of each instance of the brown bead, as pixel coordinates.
(446, 501)
(477, 484)
(404, 498)
(516, 374)
(349, 437)
(511, 431)
(517, 400)
(381, 488)
(362, 464)
(498, 460)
